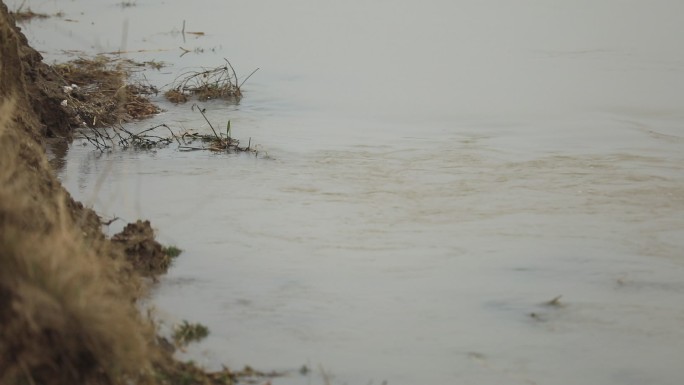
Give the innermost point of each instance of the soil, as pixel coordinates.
(141, 249)
(68, 294)
(42, 84)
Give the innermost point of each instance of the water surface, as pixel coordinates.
(438, 170)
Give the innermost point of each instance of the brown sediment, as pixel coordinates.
(42, 88)
(141, 249)
(68, 294)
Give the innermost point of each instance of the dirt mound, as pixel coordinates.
(145, 254)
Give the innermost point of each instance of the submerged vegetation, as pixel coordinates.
(187, 332)
(172, 251)
(107, 138)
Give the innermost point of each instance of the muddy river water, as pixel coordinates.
(436, 172)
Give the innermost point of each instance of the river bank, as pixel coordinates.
(440, 173)
(69, 295)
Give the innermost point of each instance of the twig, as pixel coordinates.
(239, 93)
(172, 134)
(109, 222)
(183, 32)
(21, 7)
(205, 118)
(248, 76)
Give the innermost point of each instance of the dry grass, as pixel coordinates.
(97, 91)
(66, 319)
(23, 15)
(207, 84)
(66, 315)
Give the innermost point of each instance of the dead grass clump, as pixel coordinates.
(175, 96)
(157, 65)
(23, 15)
(97, 92)
(28, 15)
(207, 84)
(188, 373)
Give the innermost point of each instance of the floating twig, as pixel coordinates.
(554, 302)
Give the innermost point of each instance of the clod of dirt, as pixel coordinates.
(143, 252)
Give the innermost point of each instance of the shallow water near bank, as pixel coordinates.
(436, 172)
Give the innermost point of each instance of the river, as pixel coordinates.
(437, 172)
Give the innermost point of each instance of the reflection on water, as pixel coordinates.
(57, 150)
(439, 170)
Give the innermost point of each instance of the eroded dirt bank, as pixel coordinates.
(67, 293)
